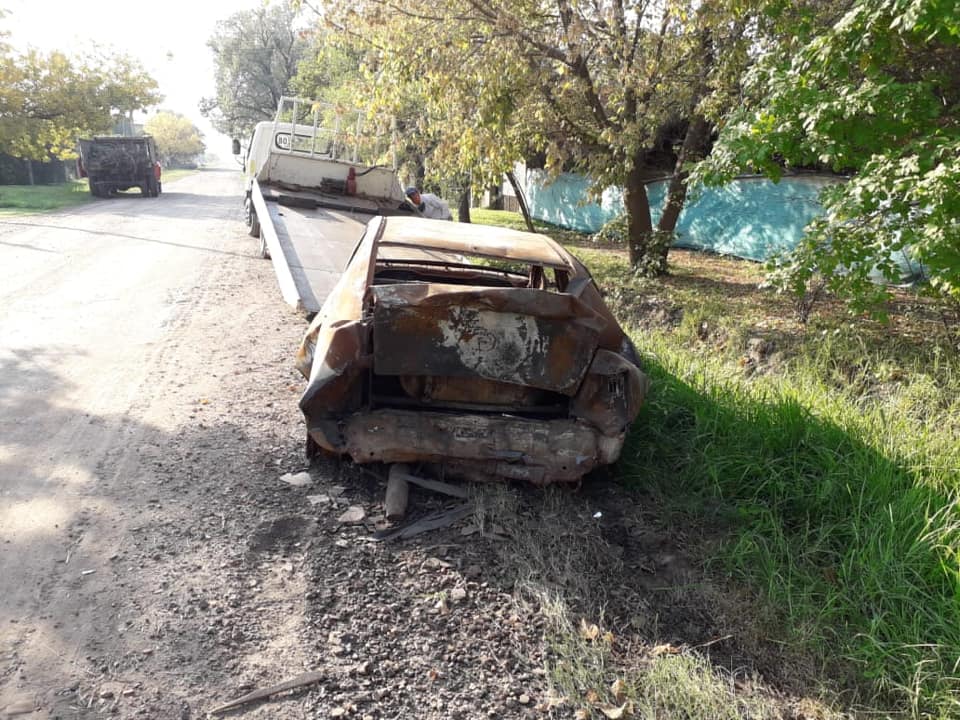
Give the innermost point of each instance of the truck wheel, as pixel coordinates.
(250, 215)
(264, 250)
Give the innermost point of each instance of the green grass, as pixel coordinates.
(19, 199)
(28, 199)
(829, 466)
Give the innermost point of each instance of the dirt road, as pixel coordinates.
(153, 564)
(146, 392)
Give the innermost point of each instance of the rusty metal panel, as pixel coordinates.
(611, 394)
(445, 389)
(536, 450)
(515, 335)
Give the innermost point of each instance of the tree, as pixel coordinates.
(256, 53)
(875, 93)
(597, 86)
(178, 140)
(47, 100)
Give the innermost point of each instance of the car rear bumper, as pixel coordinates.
(473, 446)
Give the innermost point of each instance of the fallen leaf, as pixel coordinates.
(616, 713)
(593, 697)
(582, 714)
(589, 631)
(617, 689)
(608, 637)
(665, 649)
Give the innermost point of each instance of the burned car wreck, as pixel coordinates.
(488, 352)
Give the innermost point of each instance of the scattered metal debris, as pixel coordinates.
(442, 519)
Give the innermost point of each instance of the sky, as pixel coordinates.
(168, 38)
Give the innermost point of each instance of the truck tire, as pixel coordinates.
(264, 250)
(250, 215)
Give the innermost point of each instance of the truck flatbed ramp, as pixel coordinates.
(310, 246)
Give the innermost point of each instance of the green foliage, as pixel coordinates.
(876, 95)
(256, 54)
(613, 232)
(592, 87)
(178, 140)
(47, 100)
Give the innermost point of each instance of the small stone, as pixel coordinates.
(300, 479)
(363, 668)
(524, 699)
(434, 563)
(18, 707)
(354, 514)
(338, 712)
(457, 594)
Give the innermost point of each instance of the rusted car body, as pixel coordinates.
(486, 351)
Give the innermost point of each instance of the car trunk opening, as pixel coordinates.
(494, 349)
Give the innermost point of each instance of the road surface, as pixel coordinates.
(130, 330)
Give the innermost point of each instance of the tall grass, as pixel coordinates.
(844, 514)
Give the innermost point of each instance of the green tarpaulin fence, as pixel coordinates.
(751, 217)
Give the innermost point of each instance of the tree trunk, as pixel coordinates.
(463, 208)
(639, 224)
(693, 143)
(521, 201)
(29, 164)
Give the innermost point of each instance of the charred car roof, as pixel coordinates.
(470, 239)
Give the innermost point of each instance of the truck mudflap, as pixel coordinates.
(475, 447)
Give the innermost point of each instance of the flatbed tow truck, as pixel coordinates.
(314, 179)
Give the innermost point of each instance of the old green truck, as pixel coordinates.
(113, 163)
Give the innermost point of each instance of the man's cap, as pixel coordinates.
(411, 191)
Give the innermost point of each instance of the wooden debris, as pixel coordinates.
(309, 678)
(438, 520)
(398, 493)
(435, 485)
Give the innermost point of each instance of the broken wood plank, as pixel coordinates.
(309, 678)
(435, 485)
(442, 519)
(398, 493)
